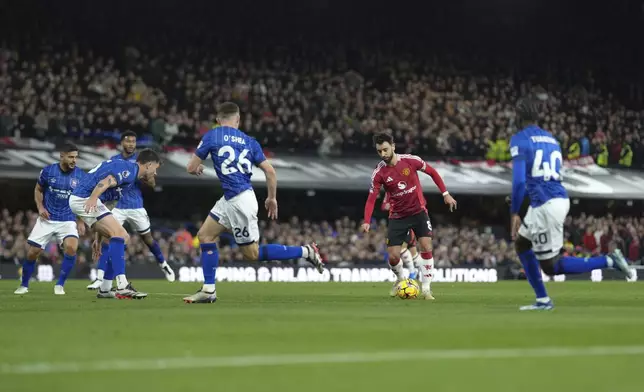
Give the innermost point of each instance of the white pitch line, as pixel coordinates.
(321, 358)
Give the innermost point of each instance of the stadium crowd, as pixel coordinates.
(341, 243)
(299, 101)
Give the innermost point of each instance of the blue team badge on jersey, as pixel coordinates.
(124, 174)
(52, 180)
(73, 183)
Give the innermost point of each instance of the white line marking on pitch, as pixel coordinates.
(300, 359)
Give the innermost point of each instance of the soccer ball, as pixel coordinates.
(407, 289)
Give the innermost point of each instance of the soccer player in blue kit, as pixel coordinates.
(234, 154)
(130, 209)
(536, 169)
(104, 184)
(55, 184)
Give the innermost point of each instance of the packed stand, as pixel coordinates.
(341, 244)
(302, 103)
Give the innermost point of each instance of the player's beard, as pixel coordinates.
(387, 159)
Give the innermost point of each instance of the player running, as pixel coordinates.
(234, 154)
(398, 174)
(409, 253)
(104, 184)
(130, 209)
(55, 184)
(536, 169)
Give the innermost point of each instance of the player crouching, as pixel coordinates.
(398, 174)
(103, 183)
(129, 209)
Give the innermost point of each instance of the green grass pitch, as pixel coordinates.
(323, 337)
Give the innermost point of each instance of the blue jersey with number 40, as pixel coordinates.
(543, 164)
(233, 154)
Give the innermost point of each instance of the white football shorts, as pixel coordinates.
(239, 216)
(544, 226)
(137, 218)
(45, 230)
(77, 204)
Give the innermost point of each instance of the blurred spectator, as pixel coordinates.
(341, 243)
(432, 110)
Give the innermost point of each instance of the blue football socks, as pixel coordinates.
(533, 273)
(578, 265)
(66, 268)
(279, 252)
(209, 264)
(28, 267)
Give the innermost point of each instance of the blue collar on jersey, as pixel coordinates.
(63, 171)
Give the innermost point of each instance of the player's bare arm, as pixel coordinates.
(271, 185)
(105, 184)
(195, 166)
(39, 197)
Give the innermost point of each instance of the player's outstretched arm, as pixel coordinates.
(421, 165)
(438, 180)
(271, 185)
(374, 190)
(195, 166)
(39, 197)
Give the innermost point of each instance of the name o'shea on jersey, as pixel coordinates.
(537, 164)
(131, 195)
(56, 186)
(123, 172)
(401, 183)
(233, 155)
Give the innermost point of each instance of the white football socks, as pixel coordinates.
(100, 274)
(426, 272)
(408, 261)
(106, 285)
(398, 270)
(121, 282)
(417, 259)
(305, 252)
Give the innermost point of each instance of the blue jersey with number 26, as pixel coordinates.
(543, 163)
(233, 154)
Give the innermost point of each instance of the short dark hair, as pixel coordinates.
(227, 109)
(148, 155)
(528, 109)
(127, 134)
(382, 137)
(68, 147)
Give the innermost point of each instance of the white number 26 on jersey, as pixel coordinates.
(548, 168)
(234, 163)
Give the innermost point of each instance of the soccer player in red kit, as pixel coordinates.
(398, 174)
(408, 253)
